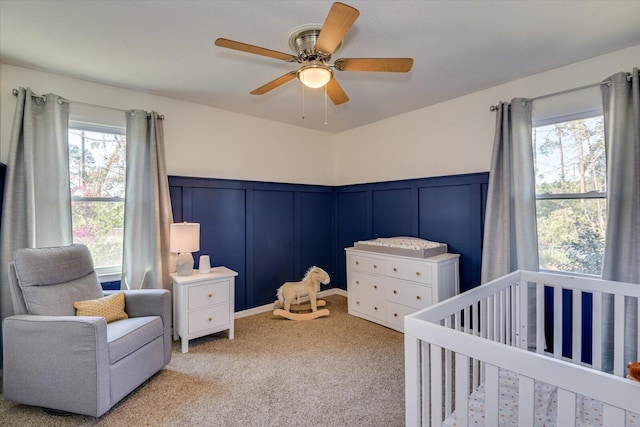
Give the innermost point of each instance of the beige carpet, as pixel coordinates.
(333, 371)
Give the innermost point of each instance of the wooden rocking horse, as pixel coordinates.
(302, 295)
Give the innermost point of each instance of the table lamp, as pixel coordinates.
(185, 238)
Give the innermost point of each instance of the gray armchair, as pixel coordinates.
(80, 364)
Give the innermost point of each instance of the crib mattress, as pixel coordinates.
(589, 412)
(403, 246)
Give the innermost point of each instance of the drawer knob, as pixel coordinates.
(375, 286)
(395, 314)
(375, 308)
(210, 295)
(209, 319)
(418, 297)
(375, 266)
(395, 269)
(357, 262)
(358, 302)
(395, 292)
(417, 273)
(357, 282)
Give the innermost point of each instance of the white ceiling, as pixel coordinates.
(166, 48)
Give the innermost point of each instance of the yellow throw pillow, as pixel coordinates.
(110, 307)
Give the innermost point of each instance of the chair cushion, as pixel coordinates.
(52, 279)
(128, 335)
(110, 307)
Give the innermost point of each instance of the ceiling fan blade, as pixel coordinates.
(339, 20)
(335, 92)
(397, 65)
(274, 83)
(244, 47)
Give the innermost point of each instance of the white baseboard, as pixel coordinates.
(269, 307)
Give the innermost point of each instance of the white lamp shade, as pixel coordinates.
(185, 237)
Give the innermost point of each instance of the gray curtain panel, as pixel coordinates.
(510, 233)
(147, 212)
(37, 199)
(621, 103)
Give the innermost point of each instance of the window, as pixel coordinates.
(570, 167)
(97, 178)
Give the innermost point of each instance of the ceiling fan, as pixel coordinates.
(315, 46)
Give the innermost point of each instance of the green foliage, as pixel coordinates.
(97, 174)
(571, 159)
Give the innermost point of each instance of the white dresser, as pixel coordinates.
(203, 303)
(385, 288)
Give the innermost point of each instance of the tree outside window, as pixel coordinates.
(97, 178)
(570, 165)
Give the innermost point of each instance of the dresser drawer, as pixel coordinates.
(366, 284)
(210, 294)
(396, 313)
(368, 305)
(208, 318)
(409, 271)
(367, 264)
(409, 294)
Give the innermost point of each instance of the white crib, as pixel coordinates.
(474, 360)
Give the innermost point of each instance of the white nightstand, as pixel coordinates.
(203, 304)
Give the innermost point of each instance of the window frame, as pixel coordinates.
(553, 120)
(110, 273)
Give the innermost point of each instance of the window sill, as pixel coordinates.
(571, 274)
(109, 277)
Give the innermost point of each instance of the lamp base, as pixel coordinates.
(184, 263)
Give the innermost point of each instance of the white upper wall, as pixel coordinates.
(456, 136)
(200, 141)
(452, 137)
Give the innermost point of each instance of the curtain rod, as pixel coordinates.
(562, 92)
(15, 93)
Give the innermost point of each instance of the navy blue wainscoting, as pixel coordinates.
(446, 209)
(269, 233)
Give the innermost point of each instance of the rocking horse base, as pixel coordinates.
(301, 316)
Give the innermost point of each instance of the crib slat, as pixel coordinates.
(539, 317)
(476, 327)
(576, 337)
(501, 319)
(618, 336)
(596, 343)
(424, 370)
(491, 395)
(436, 385)
(462, 390)
(412, 384)
(557, 322)
(566, 408)
(526, 401)
(613, 416)
(448, 375)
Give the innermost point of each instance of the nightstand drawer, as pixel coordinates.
(210, 294)
(208, 318)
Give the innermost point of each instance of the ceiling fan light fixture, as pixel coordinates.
(314, 75)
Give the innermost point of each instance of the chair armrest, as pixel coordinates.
(151, 302)
(48, 359)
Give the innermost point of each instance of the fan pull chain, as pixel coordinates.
(302, 102)
(326, 123)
